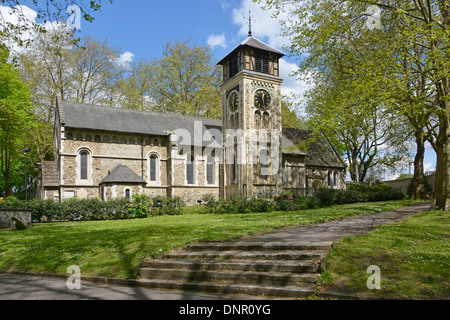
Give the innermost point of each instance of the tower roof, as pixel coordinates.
(254, 43)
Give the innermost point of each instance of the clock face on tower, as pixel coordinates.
(262, 99)
(233, 101)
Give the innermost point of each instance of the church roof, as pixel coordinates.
(122, 174)
(85, 116)
(318, 150)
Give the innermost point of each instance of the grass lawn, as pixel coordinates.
(112, 248)
(413, 257)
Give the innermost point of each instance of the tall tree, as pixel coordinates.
(18, 26)
(186, 81)
(15, 120)
(400, 28)
(52, 66)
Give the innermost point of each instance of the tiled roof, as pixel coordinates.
(122, 174)
(93, 117)
(318, 151)
(254, 43)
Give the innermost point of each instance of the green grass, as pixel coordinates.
(413, 257)
(112, 248)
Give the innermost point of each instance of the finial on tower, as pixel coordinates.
(249, 23)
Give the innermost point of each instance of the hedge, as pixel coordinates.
(356, 192)
(140, 206)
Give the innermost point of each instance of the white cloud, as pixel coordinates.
(126, 58)
(11, 15)
(225, 5)
(20, 16)
(264, 26)
(217, 40)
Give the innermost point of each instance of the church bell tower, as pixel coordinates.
(251, 121)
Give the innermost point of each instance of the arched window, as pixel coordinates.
(210, 170)
(257, 120)
(84, 156)
(336, 179)
(263, 165)
(234, 169)
(190, 169)
(153, 167)
(266, 120)
(127, 193)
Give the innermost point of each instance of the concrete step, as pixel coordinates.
(234, 277)
(260, 246)
(248, 255)
(254, 290)
(308, 266)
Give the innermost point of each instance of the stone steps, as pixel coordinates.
(274, 269)
(234, 277)
(247, 246)
(249, 255)
(233, 265)
(220, 288)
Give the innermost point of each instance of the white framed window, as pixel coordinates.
(153, 172)
(154, 168)
(84, 166)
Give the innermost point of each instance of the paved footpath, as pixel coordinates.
(336, 230)
(15, 287)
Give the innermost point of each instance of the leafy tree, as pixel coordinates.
(15, 121)
(288, 116)
(46, 11)
(52, 66)
(185, 81)
(404, 64)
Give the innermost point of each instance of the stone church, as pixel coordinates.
(106, 153)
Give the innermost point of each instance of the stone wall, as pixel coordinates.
(402, 184)
(192, 194)
(22, 215)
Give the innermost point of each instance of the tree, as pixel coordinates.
(413, 33)
(288, 117)
(135, 86)
(15, 120)
(52, 66)
(47, 11)
(185, 81)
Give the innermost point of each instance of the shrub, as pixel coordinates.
(326, 196)
(256, 205)
(349, 196)
(169, 206)
(209, 202)
(140, 206)
(312, 203)
(284, 205)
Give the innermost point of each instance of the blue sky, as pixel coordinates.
(141, 28)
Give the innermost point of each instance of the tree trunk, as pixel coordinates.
(441, 200)
(419, 191)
